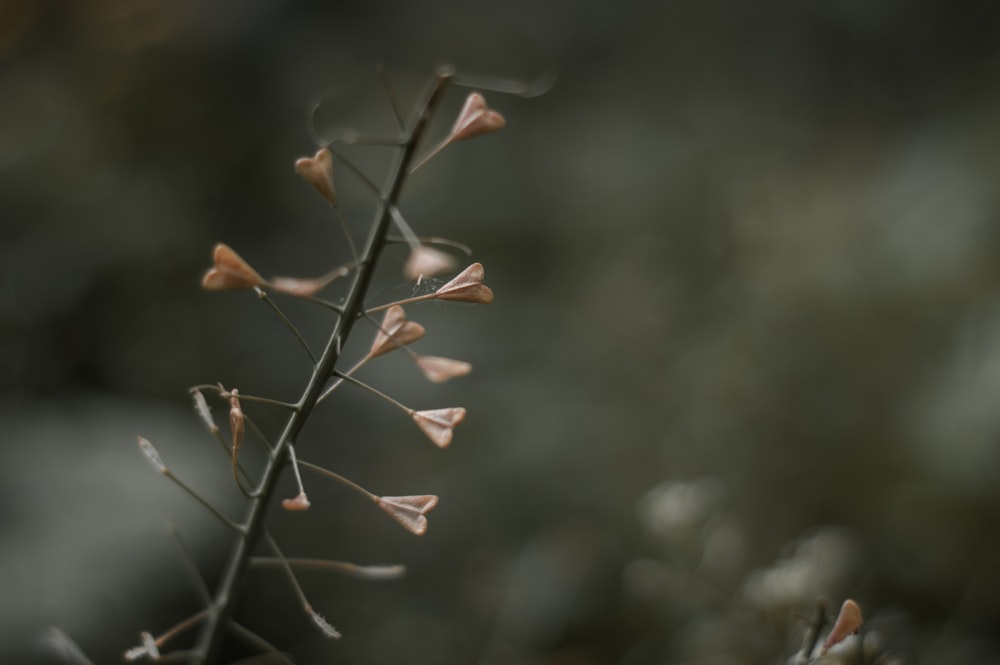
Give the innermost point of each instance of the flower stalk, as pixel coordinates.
(216, 622)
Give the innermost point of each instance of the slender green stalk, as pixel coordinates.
(217, 622)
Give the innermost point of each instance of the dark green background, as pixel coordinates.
(750, 249)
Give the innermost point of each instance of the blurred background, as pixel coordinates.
(745, 351)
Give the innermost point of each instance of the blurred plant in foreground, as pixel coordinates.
(714, 607)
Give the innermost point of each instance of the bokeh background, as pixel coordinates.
(745, 352)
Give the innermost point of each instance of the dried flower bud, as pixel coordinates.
(148, 649)
(394, 332)
(426, 261)
(236, 420)
(439, 370)
(467, 286)
(438, 424)
(318, 172)
(205, 413)
(230, 271)
(150, 452)
(323, 624)
(848, 623)
(299, 503)
(475, 119)
(409, 511)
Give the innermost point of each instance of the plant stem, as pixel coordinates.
(216, 624)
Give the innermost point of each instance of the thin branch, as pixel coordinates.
(322, 470)
(288, 569)
(404, 301)
(339, 381)
(267, 400)
(260, 434)
(238, 528)
(387, 572)
(375, 391)
(318, 620)
(404, 228)
(518, 87)
(262, 294)
(350, 240)
(182, 626)
(358, 173)
(192, 567)
(295, 469)
(431, 154)
(390, 94)
(256, 640)
(323, 303)
(226, 394)
(432, 240)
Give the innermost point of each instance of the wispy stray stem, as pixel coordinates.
(390, 93)
(359, 174)
(192, 567)
(387, 572)
(214, 628)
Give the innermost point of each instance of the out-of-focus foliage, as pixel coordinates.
(745, 349)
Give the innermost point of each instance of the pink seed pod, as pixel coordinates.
(467, 286)
(848, 623)
(438, 424)
(318, 172)
(230, 271)
(409, 511)
(299, 503)
(476, 119)
(395, 331)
